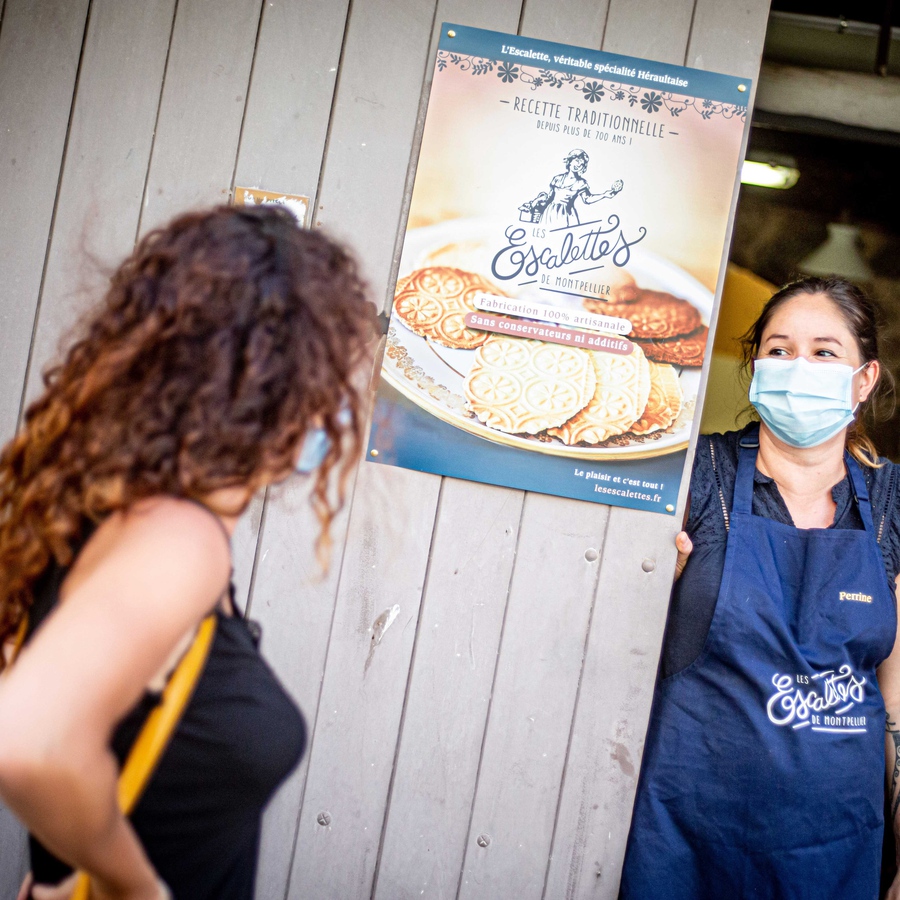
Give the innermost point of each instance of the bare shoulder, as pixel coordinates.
(135, 594)
(171, 520)
(174, 543)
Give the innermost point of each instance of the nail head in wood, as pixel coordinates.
(648, 565)
(591, 555)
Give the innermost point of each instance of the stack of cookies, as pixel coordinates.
(531, 387)
(668, 328)
(580, 397)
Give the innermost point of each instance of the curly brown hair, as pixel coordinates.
(222, 340)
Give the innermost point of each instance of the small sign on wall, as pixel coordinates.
(296, 203)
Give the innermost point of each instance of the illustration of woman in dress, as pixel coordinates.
(556, 209)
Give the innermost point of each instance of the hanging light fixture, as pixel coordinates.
(838, 255)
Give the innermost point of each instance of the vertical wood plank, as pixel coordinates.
(582, 24)
(294, 602)
(654, 30)
(651, 29)
(626, 634)
(538, 673)
(105, 167)
(289, 103)
(202, 107)
(349, 766)
(614, 704)
(540, 658)
(459, 632)
(13, 853)
(38, 67)
(364, 683)
(450, 689)
(282, 146)
(195, 148)
(618, 679)
(282, 143)
(373, 126)
(728, 37)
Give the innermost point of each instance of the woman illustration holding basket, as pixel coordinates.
(224, 356)
(557, 209)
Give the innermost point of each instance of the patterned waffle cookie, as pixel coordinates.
(433, 302)
(664, 403)
(623, 386)
(653, 315)
(687, 350)
(522, 386)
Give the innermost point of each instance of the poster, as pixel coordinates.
(556, 282)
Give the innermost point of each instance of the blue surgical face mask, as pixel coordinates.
(316, 445)
(803, 403)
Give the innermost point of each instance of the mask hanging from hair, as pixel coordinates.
(316, 445)
(803, 403)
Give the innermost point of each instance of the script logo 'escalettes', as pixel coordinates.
(520, 257)
(558, 238)
(826, 691)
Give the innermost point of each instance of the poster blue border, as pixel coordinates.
(491, 44)
(406, 436)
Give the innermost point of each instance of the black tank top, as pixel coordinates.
(239, 738)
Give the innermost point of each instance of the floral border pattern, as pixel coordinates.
(594, 90)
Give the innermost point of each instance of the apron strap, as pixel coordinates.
(860, 492)
(742, 501)
(743, 484)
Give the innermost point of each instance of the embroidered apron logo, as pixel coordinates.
(821, 701)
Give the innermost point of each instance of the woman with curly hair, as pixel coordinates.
(227, 345)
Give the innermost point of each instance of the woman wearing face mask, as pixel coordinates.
(764, 768)
(226, 352)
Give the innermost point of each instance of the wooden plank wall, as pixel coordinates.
(488, 745)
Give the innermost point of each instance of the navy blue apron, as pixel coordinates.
(764, 767)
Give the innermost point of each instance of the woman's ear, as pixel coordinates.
(868, 378)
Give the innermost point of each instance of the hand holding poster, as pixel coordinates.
(556, 282)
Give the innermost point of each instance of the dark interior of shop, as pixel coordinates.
(828, 108)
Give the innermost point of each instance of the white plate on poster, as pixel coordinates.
(432, 375)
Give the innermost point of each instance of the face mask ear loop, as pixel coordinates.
(865, 365)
